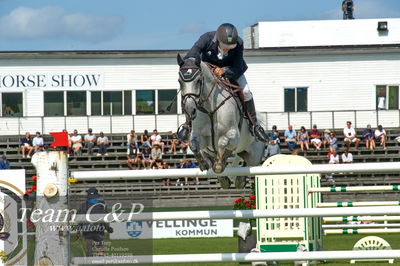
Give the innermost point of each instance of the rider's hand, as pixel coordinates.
(219, 71)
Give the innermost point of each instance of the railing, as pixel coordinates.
(165, 123)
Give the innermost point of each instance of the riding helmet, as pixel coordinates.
(227, 35)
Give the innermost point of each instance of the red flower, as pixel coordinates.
(238, 200)
(29, 223)
(29, 191)
(254, 206)
(248, 205)
(246, 201)
(34, 178)
(252, 197)
(33, 187)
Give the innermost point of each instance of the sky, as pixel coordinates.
(48, 25)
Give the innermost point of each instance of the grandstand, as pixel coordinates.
(208, 193)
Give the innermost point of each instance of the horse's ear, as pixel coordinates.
(197, 62)
(179, 59)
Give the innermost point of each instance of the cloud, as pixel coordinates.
(25, 23)
(193, 28)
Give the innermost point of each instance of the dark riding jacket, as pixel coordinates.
(206, 48)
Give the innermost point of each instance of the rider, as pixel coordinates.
(224, 49)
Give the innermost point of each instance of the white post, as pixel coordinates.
(52, 244)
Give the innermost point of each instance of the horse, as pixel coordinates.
(219, 128)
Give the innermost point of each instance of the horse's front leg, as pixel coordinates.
(226, 145)
(195, 147)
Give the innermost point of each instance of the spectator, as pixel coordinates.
(274, 135)
(102, 142)
(302, 138)
(38, 142)
(156, 153)
(180, 165)
(290, 138)
(4, 163)
(132, 157)
(146, 157)
(156, 138)
(166, 181)
(272, 149)
(380, 136)
(145, 139)
(327, 139)
(315, 138)
(347, 157)
(333, 142)
(184, 146)
(90, 141)
(26, 145)
(191, 164)
(350, 136)
(174, 142)
(132, 138)
(368, 137)
(334, 158)
(76, 141)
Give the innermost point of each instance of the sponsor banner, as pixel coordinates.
(172, 229)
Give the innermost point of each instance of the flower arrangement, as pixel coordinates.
(30, 194)
(243, 203)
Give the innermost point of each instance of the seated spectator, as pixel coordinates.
(132, 138)
(380, 136)
(274, 134)
(38, 142)
(4, 163)
(397, 139)
(290, 138)
(26, 145)
(90, 141)
(76, 141)
(191, 164)
(272, 149)
(180, 165)
(302, 138)
(102, 143)
(350, 136)
(334, 158)
(327, 139)
(166, 181)
(156, 138)
(184, 146)
(315, 138)
(156, 153)
(145, 139)
(146, 157)
(347, 157)
(368, 137)
(132, 156)
(333, 142)
(174, 142)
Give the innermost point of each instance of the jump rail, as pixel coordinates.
(236, 171)
(238, 214)
(241, 257)
(355, 189)
(357, 204)
(358, 226)
(362, 219)
(361, 231)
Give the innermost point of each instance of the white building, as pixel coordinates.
(300, 72)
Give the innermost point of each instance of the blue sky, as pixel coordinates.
(156, 24)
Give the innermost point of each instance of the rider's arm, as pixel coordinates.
(239, 65)
(199, 46)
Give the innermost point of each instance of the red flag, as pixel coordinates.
(60, 139)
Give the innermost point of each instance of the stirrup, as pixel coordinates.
(183, 132)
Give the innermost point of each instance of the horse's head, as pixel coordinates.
(190, 80)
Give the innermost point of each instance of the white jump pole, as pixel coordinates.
(241, 257)
(355, 189)
(239, 214)
(358, 204)
(361, 231)
(361, 219)
(237, 171)
(358, 226)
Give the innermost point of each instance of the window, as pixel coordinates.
(112, 103)
(53, 103)
(96, 102)
(387, 97)
(295, 99)
(12, 104)
(165, 97)
(145, 102)
(127, 102)
(76, 102)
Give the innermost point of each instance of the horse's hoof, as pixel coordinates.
(240, 182)
(218, 168)
(225, 182)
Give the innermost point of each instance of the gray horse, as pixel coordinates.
(219, 129)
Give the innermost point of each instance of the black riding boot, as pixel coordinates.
(259, 132)
(183, 132)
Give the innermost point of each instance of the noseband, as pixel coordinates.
(188, 74)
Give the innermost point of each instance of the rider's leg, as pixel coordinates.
(251, 110)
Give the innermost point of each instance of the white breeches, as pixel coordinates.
(242, 82)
